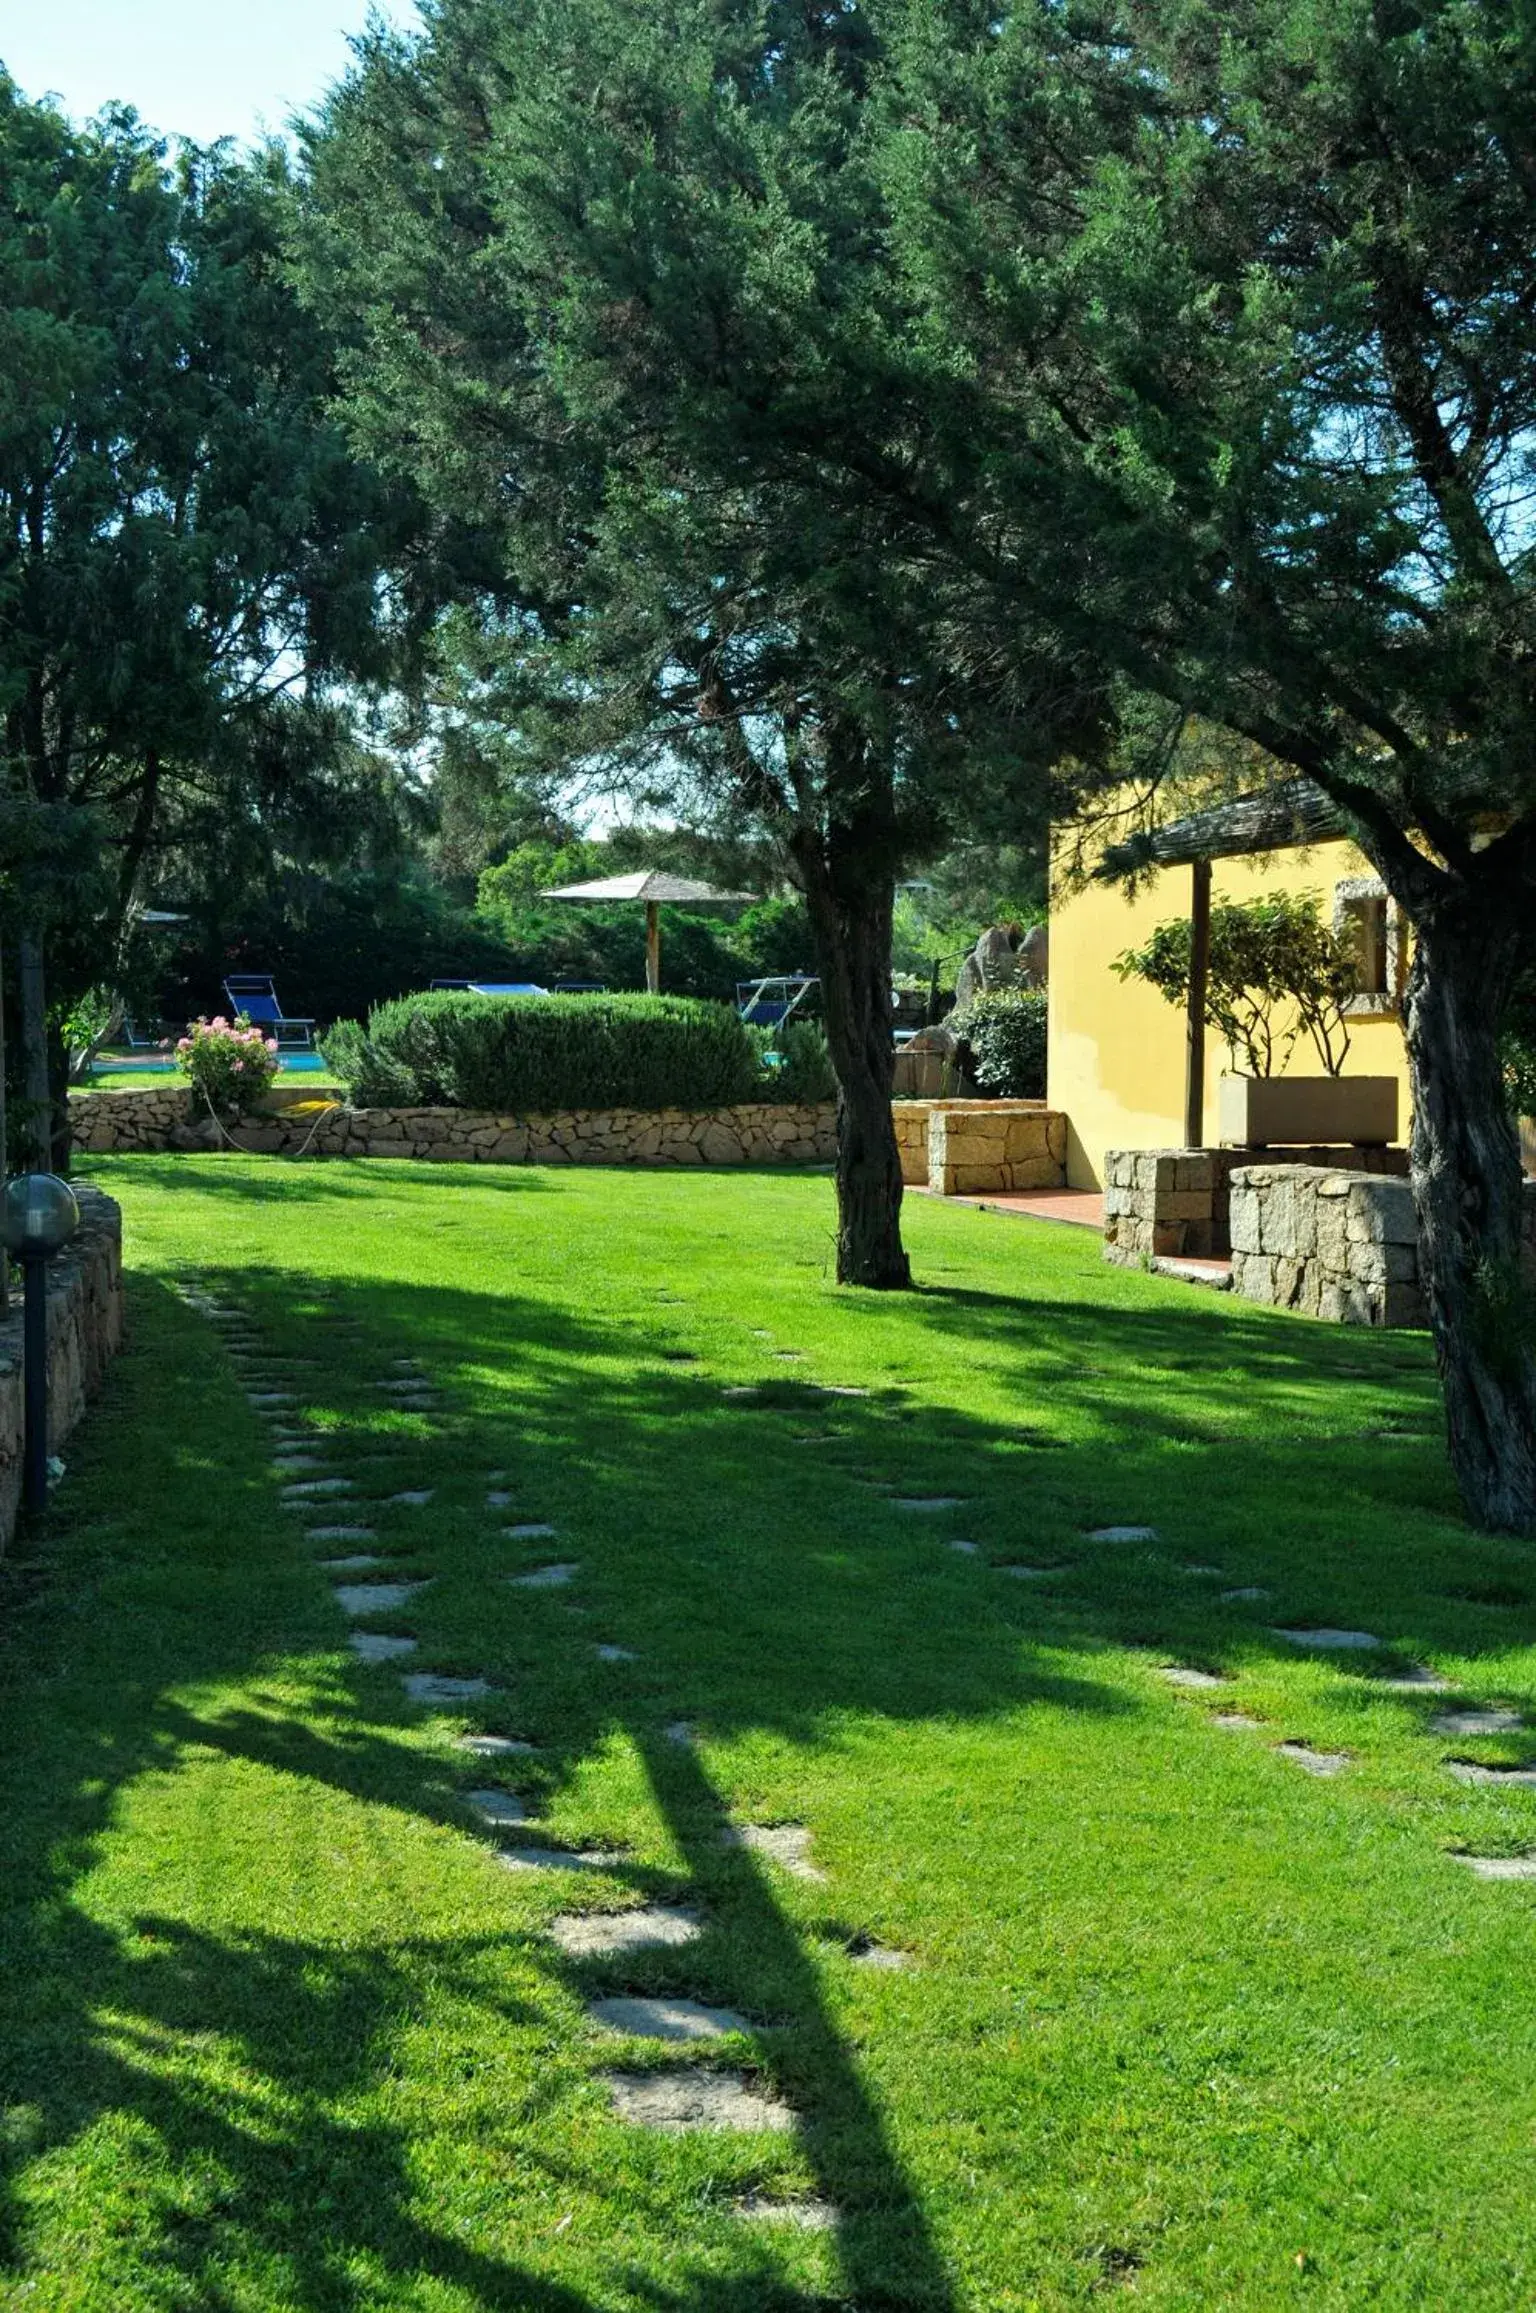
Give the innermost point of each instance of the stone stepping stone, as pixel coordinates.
(805, 2216)
(884, 1957)
(616, 1654)
(311, 1489)
(558, 1859)
(786, 1844)
(1030, 1573)
(965, 1549)
(839, 1389)
(1179, 1674)
(1477, 1723)
(1332, 1641)
(498, 1501)
(494, 1746)
(1416, 1680)
(927, 1502)
(1236, 1722)
(374, 1646)
(1313, 1762)
(1499, 1866)
(532, 1530)
(680, 2101)
(284, 1465)
(414, 1497)
(746, 1389)
(340, 1534)
(605, 1935)
(1122, 1533)
(264, 1397)
(500, 1809)
(353, 1565)
(1473, 1771)
(1201, 1570)
(682, 1733)
(545, 1577)
(666, 2019)
(433, 1687)
(374, 1597)
(1249, 1595)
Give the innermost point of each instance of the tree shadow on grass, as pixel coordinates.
(681, 1506)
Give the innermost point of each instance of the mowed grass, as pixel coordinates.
(1182, 2026)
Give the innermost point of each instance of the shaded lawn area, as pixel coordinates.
(1182, 2023)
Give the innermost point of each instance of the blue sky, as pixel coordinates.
(196, 68)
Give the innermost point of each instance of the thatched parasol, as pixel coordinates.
(654, 889)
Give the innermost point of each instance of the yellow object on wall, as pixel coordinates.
(1117, 1048)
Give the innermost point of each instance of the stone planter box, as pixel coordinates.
(980, 1148)
(1173, 1203)
(1306, 1111)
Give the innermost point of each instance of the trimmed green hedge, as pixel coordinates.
(528, 1055)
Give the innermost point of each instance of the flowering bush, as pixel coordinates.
(229, 1062)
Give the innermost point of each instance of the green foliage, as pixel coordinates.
(802, 1069)
(530, 1055)
(228, 1063)
(1518, 1048)
(1005, 1028)
(190, 554)
(1265, 954)
(335, 944)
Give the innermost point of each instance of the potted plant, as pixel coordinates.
(1276, 973)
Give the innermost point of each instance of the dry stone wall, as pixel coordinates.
(757, 1133)
(85, 1330)
(1336, 1244)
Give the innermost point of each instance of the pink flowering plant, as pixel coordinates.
(230, 1063)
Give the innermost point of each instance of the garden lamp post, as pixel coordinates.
(39, 1217)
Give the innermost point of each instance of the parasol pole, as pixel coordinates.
(653, 947)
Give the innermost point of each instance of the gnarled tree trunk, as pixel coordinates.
(1467, 1191)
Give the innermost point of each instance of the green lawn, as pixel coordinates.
(106, 1078)
(1183, 2025)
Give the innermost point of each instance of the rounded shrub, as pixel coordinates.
(529, 1055)
(1005, 1029)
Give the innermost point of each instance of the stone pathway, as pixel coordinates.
(786, 1844)
(1332, 1641)
(690, 2096)
(645, 2019)
(681, 2100)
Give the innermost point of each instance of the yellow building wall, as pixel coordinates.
(1116, 1065)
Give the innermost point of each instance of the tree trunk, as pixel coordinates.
(1468, 1194)
(37, 1095)
(5, 1265)
(849, 876)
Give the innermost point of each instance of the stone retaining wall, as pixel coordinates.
(1173, 1203)
(85, 1330)
(1336, 1244)
(759, 1132)
(968, 1148)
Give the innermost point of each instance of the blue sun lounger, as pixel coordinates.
(253, 994)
